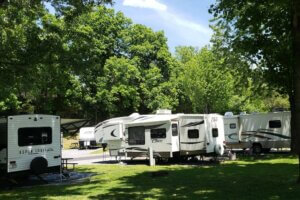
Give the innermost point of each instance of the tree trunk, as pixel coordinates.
(299, 169)
(295, 145)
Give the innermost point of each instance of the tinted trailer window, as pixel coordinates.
(193, 133)
(34, 136)
(275, 124)
(174, 130)
(158, 133)
(136, 135)
(3, 134)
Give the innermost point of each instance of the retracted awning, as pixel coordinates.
(73, 125)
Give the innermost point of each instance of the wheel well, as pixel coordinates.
(256, 144)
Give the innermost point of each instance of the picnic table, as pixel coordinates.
(74, 145)
(65, 163)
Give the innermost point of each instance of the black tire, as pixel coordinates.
(266, 150)
(38, 165)
(256, 148)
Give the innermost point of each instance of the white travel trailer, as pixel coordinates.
(87, 138)
(173, 135)
(30, 143)
(260, 131)
(111, 133)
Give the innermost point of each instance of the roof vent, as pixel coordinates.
(134, 115)
(163, 112)
(228, 114)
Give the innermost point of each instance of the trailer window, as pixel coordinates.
(3, 135)
(34, 136)
(275, 124)
(193, 133)
(158, 133)
(215, 132)
(232, 126)
(136, 135)
(174, 130)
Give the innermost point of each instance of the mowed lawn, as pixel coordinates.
(267, 178)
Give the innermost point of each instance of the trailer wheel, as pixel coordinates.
(256, 148)
(38, 165)
(266, 150)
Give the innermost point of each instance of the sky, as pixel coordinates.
(184, 22)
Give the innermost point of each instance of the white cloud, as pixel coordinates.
(179, 28)
(184, 23)
(152, 4)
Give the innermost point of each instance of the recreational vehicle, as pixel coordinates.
(30, 143)
(175, 135)
(260, 131)
(87, 138)
(111, 133)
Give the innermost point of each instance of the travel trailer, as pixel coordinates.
(111, 133)
(259, 131)
(30, 143)
(87, 138)
(175, 135)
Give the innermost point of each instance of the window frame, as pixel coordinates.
(275, 123)
(130, 135)
(215, 134)
(191, 131)
(22, 137)
(164, 133)
(174, 134)
(232, 125)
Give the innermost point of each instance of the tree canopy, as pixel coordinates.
(86, 60)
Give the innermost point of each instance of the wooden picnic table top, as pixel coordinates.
(65, 160)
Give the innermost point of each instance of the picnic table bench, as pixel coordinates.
(65, 163)
(74, 145)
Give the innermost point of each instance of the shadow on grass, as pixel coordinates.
(267, 156)
(255, 181)
(226, 181)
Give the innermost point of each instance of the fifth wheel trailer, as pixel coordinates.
(173, 135)
(30, 143)
(259, 131)
(167, 134)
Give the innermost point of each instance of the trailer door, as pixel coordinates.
(231, 130)
(175, 137)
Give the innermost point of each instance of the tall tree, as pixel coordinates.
(267, 34)
(207, 85)
(19, 50)
(296, 79)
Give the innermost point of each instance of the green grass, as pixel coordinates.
(272, 177)
(69, 140)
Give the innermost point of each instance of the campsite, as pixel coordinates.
(233, 179)
(149, 99)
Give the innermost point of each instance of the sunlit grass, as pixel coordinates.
(269, 177)
(70, 140)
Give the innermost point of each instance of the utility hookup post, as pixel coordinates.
(151, 157)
